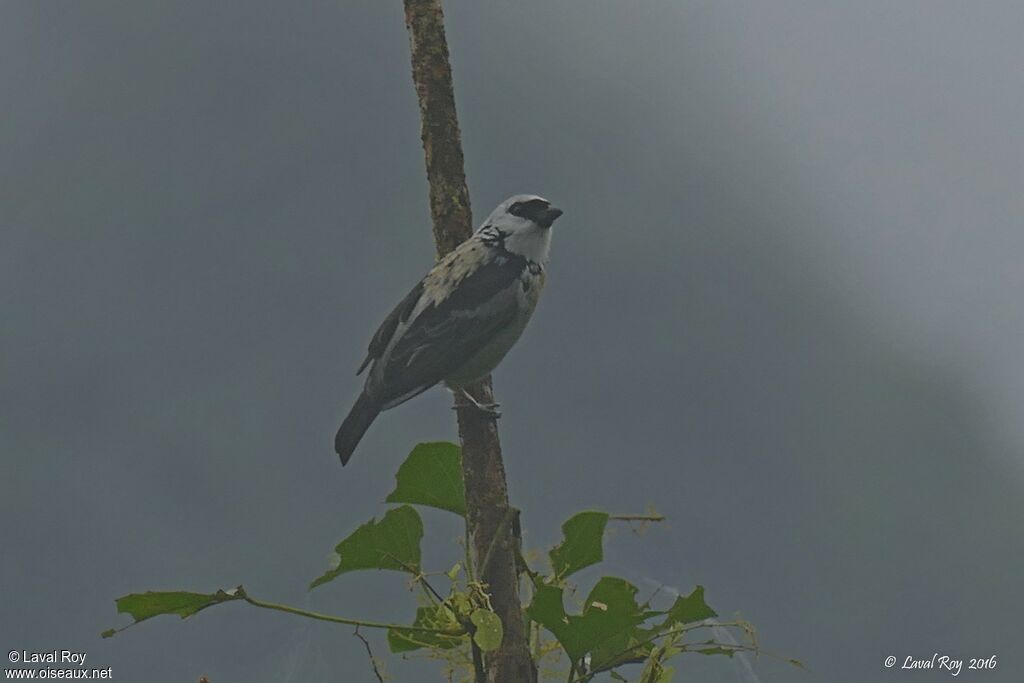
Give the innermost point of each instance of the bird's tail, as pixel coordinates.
(359, 419)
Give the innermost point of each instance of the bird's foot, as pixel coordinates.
(487, 409)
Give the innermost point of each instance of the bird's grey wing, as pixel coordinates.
(447, 333)
(387, 328)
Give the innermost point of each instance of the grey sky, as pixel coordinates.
(783, 307)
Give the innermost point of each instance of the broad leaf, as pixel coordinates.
(432, 475)
(391, 543)
(582, 545)
(628, 646)
(690, 608)
(488, 629)
(440, 618)
(142, 606)
(609, 614)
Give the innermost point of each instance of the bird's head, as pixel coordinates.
(523, 212)
(525, 220)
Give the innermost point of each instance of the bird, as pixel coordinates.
(458, 322)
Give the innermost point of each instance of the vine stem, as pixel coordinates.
(479, 670)
(369, 653)
(345, 620)
(637, 518)
(649, 641)
(420, 578)
(467, 624)
(692, 647)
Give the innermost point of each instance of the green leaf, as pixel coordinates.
(142, 606)
(548, 610)
(627, 646)
(439, 617)
(691, 608)
(488, 629)
(582, 546)
(392, 543)
(432, 476)
(610, 613)
(728, 652)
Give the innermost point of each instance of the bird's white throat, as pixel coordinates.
(532, 243)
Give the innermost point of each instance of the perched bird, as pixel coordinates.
(461, 319)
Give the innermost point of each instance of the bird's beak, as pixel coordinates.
(548, 216)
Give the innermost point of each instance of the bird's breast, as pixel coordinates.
(526, 294)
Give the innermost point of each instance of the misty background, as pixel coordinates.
(783, 307)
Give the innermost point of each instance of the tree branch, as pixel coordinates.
(482, 468)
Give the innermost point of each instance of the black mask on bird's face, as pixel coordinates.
(537, 210)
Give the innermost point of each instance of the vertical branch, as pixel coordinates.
(490, 519)
(442, 142)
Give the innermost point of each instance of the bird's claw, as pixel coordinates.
(486, 409)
